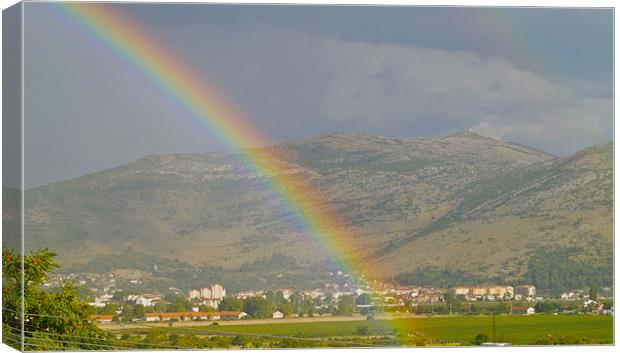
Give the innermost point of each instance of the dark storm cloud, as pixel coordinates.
(539, 77)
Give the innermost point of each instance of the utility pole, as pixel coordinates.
(493, 337)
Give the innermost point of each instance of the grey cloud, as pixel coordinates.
(402, 90)
(89, 110)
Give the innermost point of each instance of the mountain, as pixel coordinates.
(462, 201)
(500, 222)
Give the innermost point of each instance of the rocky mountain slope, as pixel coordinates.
(462, 201)
(500, 222)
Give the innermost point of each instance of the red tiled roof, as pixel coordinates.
(230, 313)
(520, 308)
(101, 317)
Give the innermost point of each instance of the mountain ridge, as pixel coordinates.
(398, 195)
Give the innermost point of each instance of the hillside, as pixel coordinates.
(462, 201)
(501, 222)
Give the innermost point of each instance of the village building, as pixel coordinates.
(568, 296)
(523, 310)
(209, 296)
(245, 295)
(287, 292)
(465, 291)
(147, 299)
(232, 315)
(488, 292)
(102, 318)
(526, 290)
(99, 302)
(194, 294)
(406, 290)
(205, 292)
(478, 292)
(277, 315)
(428, 295)
(332, 286)
(316, 293)
(218, 292)
(500, 291)
(608, 311)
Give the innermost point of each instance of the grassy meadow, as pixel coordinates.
(440, 330)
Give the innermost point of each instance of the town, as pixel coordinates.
(212, 302)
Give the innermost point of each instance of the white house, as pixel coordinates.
(144, 301)
(98, 303)
(286, 293)
(277, 315)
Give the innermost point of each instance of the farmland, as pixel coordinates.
(440, 330)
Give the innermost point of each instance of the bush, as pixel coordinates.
(562, 340)
(239, 341)
(362, 330)
(481, 338)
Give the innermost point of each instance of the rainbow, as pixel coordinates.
(202, 101)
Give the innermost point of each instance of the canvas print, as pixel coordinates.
(209, 176)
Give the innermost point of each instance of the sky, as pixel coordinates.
(541, 77)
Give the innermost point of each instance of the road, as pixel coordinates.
(193, 323)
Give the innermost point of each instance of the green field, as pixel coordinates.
(517, 330)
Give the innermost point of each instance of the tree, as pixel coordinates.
(329, 298)
(275, 298)
(258, 307)
(108, 309)
(240, 340)
(54, 320)
(452, 301)
(296, 301)
(160, 307)
(545, 307)
(231, 304)
(138, 311)
(346, 305)
(286, 309)
(364, 299)
(594, 292)
(178, 303)
(126, 313)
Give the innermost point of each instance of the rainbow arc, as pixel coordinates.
(203, 102)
